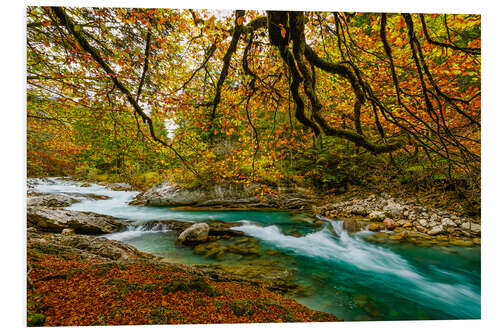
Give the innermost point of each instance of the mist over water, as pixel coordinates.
(345, 275)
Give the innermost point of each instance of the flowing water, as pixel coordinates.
(343, 274)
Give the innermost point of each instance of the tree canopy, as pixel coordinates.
(315, 98)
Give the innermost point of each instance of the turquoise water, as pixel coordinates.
(344, 275)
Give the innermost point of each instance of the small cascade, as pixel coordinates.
(334, 247)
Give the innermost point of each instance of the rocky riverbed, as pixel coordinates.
(405, 220)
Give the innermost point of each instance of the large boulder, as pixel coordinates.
(51, 200)
(351, 225)
(223, 195)
(197, 233)
(56, 220)
(83, 246)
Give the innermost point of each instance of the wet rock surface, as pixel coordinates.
(233, 195)
(196, 233)
(56, 220)
(82, 246)
(51, 200)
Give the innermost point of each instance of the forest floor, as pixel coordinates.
(71, 287)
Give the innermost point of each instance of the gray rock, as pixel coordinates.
(376, 216)
(436, 230)
(448, 222)
(224, 195)
(51, 200)
(120, 187)
(471, 227)
(423, 222)
(56, 220)
(358, 210)
(197, 233)
(85, 247)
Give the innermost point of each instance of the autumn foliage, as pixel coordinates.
(75, 292)
(317, 99)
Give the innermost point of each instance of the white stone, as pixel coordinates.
(472, 227)
(448, 222)
(436, 230)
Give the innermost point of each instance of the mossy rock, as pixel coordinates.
(200, 249)
(220, 256)
(238, 249)
(442, 237)
(461, 242)
(423, 243)
(272, 252)
(360, 300)
(242, 240)
(213, 252)
(376, 226)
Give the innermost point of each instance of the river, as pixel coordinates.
(343, 274)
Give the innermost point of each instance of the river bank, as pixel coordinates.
(406, 219)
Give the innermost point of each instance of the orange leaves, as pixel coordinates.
(240, 20)
(150, 293)
(282, 30)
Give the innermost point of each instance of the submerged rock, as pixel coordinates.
(461, 242)
(351, 225)
(197, 233)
